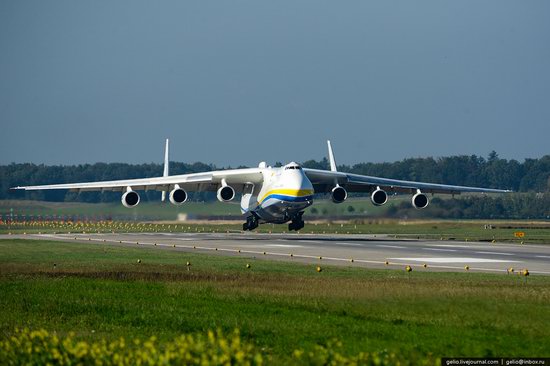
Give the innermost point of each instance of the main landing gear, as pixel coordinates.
(297, 223)
(251, 223)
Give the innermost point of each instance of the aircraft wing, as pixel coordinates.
(207, 181)
(324, 180)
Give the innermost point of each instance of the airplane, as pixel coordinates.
(269, 194)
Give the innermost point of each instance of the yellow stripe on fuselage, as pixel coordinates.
(289, 192)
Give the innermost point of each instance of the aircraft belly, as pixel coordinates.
(280, 210)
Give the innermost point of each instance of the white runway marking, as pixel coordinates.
(495, 253)
(453, 260)
(543, 256)
(451, 246)
(310, 241)
(353, 244)
(390, 246)
(282, 246)
(440, 250)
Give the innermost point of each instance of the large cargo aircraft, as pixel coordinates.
(270, 194)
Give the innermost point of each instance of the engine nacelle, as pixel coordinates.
(225, 194)
(379, 197)
(178, 196)
(420, 201)
(130, 199)
(338, 194)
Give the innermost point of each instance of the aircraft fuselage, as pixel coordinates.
(285, 193)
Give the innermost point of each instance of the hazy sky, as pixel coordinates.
(237, 82)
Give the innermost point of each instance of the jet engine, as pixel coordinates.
(338, 194)
(225, 193)
(130, 199)
(379, 197)
(178, 196)
(420, 200)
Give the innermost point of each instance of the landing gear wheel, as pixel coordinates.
(297, 223)
(251, 223)
(295, 226)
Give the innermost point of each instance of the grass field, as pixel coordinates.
(101, 291)
(115, 210)
(148, 211)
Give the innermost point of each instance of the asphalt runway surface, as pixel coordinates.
(371, 251)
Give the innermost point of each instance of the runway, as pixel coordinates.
(373, 251)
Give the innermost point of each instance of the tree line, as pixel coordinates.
(531, 175)
(13, 175)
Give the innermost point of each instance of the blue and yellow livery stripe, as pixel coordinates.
(296, 195)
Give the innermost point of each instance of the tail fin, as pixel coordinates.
(166, 166)
(331, 157)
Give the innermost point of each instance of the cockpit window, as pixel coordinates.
(297, 167)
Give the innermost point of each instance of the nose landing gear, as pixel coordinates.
(297, 222)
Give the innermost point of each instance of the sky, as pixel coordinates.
(238, 82)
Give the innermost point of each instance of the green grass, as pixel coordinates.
(166, 211)
(144, 211)
(101, 291)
